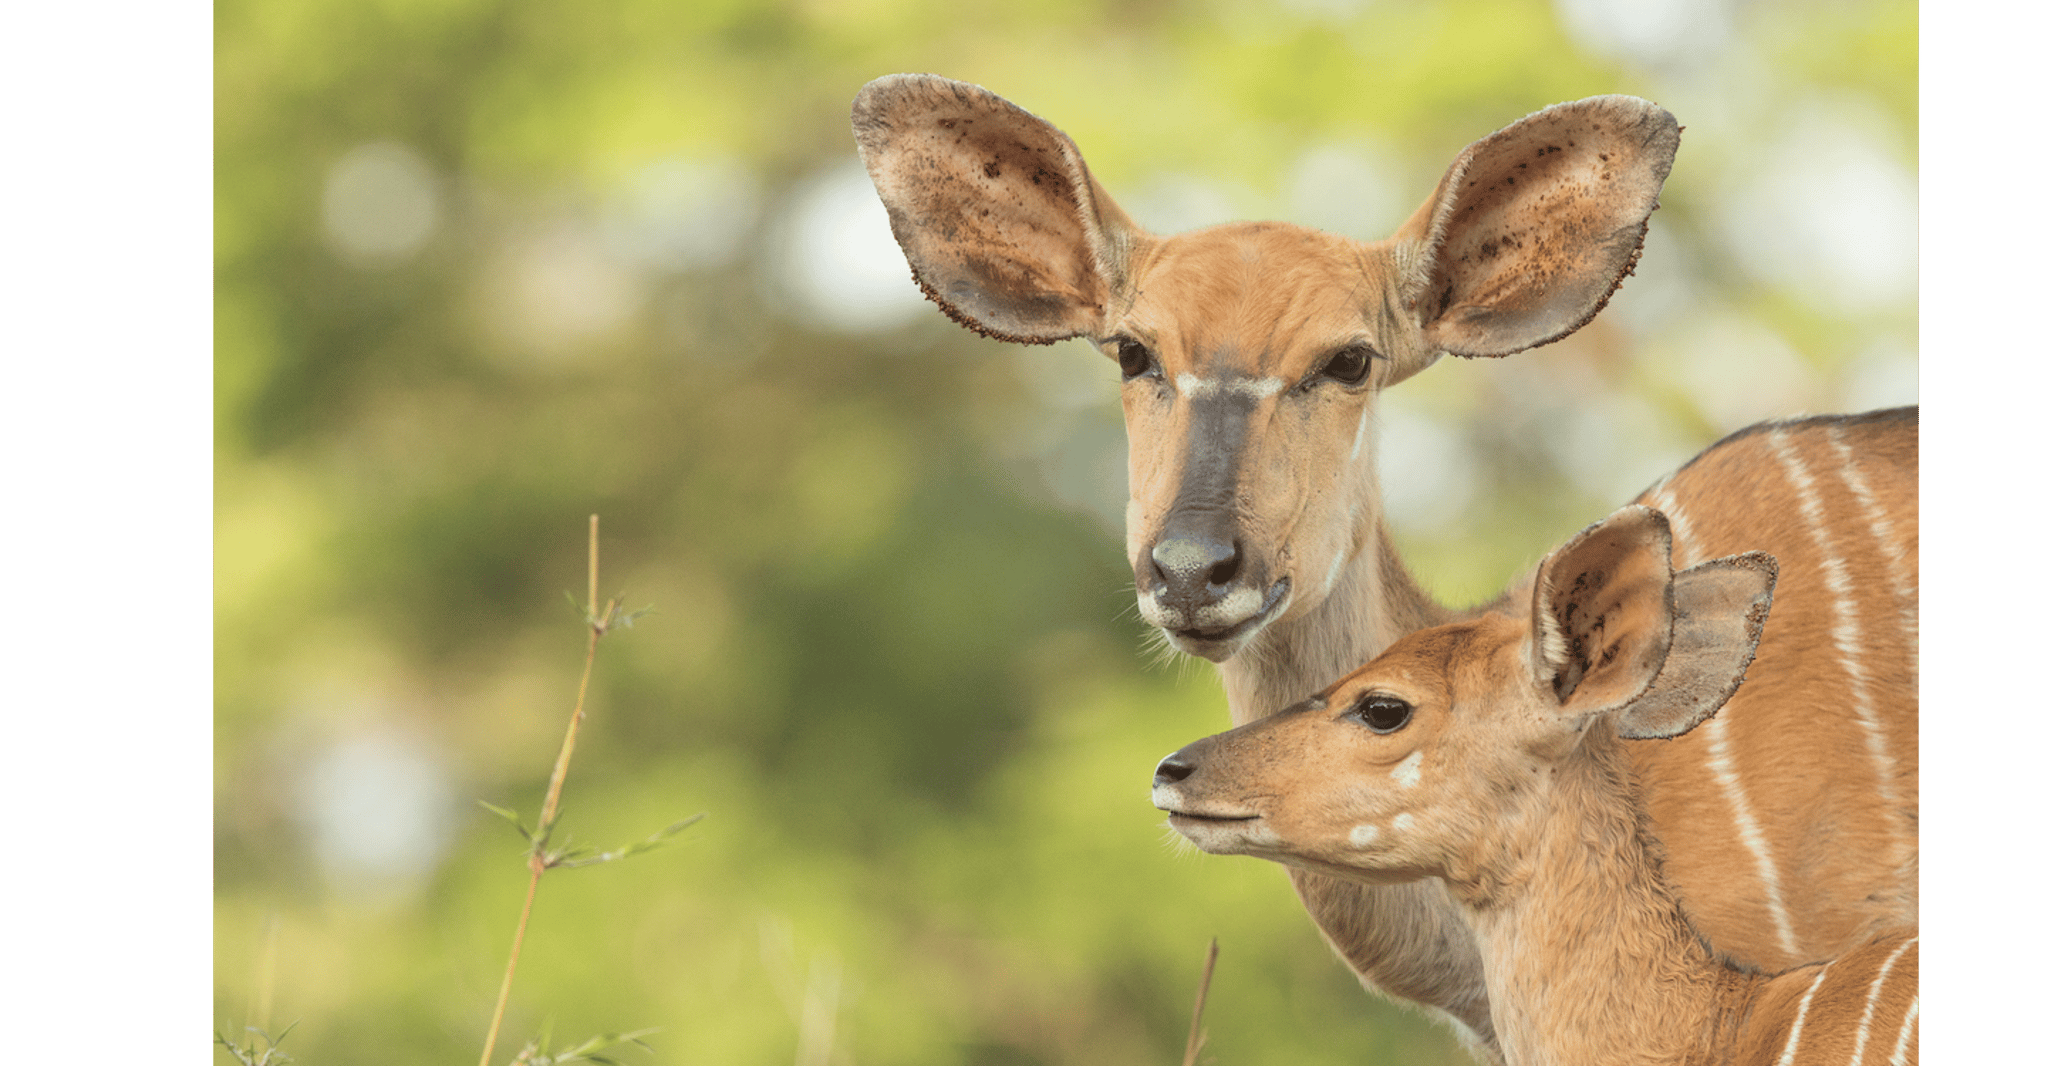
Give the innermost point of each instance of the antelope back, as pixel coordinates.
(1790, 819)
(1252, 352)
(1863, 1007)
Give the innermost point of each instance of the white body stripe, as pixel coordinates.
(1872, 1001)
(1721, 761)
(1904, 590)
(1800, 1018)
(1900, 1044)
(1846, 633)
(1724, 767)
(1685, 553)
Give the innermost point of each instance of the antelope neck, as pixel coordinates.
(1373, 602)
(1588, 957)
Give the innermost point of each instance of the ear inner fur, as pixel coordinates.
(1535, 226)
(1720, 608)
(1602, 619)
(997, 214)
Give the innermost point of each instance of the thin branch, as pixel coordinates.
(505, 986)
(1196, 1034)
(576, 718)
(538, 859)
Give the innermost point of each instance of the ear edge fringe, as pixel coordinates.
(1414, 287)
(876, 119)
(1754, 630)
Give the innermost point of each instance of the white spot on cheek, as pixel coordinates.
(1363, 835)
(1331, 577)
(1403, 822)
(1409, 771)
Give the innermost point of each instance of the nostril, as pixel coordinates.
(1188, 561)
(1227, 568)
(1176, 767)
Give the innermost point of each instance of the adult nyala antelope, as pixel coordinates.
(1252, 356)
(1492, 754)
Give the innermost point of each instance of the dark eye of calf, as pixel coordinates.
(1383, 714)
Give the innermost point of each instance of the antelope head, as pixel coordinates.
(1252, 353)
(1420, 761)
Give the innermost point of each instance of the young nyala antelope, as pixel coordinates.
(1491, 754)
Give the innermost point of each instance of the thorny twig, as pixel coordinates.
(539, 858)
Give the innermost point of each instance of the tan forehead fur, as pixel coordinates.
(1438, 664)
(1268, 293)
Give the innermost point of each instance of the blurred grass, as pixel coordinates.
(891, 658)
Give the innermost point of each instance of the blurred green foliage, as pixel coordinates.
(890, 656)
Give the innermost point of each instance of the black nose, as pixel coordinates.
(1174, 768)
(1194, 567)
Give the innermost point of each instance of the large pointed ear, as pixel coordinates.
(994, 208)
(1602, 612)
(1534, 226)
(1719, 610)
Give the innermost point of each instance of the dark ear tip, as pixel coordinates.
(1630, 515)
(898, 84)
(892, 91)
(1643, 513)
(1634, 109)
(1763, 562)
(879, 94)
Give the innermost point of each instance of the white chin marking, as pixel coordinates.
(1409, 771)
(1236, 606)
(1158, 615)
(1260, 835)
(1363, 835)
(1230, 838)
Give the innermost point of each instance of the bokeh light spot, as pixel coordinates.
(376, 806)
(380, 203)
(836, 259)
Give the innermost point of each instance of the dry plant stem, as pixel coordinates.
(1196, 1020)
(537, 856)
(505, 986)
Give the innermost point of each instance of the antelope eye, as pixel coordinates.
(1383, 714)
(1133, 358)
(1349, 365)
